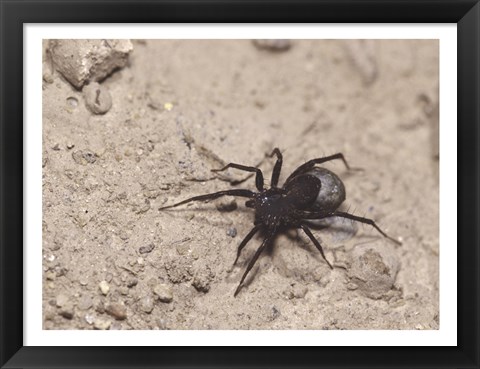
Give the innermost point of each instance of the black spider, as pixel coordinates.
(308, 193)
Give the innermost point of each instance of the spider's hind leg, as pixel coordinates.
(363, 220)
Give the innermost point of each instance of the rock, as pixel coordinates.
(147, 304)
(90, 318)
(273, 44)
(146, 249)
(97, 98)
(47, 77)
(80, 61)
(373, 268)
(163, 292)
(104, 287)
(132, 282)
(102, 324)
(61, 300)
(118, 311)
(232, 232)
(202, 279)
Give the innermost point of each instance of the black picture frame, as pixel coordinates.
(14, 14)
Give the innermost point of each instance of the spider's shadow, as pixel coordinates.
(292, 234)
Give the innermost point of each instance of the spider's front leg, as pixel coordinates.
(277, 168)
(311, 163)
(244, 242)
(267, 241)
(212, 196)
(258, 177)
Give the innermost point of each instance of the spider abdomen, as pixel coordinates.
(332, 192)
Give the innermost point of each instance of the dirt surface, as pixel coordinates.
(112, 260)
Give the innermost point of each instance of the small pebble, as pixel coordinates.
(201, 283)
(102, 324)
(163, 292)
(99, 306)
(232, 232)
(50, 257)
(146, 304)
(146, 249)
(47, 77)
(183, 248)
(132, 282)
(140, 261)
(97, 98)
(61, 300)
(118, 311)
(56, 147)
(67, 311)
(70, 145)
(161, 323)
(374, 268)
(51, 276)
(85, 302)
(90, 318)
(104, 287)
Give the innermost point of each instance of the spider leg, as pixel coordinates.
(244, 242)
(277, 168)
(363, 220)
(212, 196)
(311, 163)
(258, 178)
(252, 262)
(315, 242)
(342, 214)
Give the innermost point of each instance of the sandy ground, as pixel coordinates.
(112, 260)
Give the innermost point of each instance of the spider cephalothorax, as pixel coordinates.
(309, 193)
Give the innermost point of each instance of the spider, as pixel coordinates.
(309, 193)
